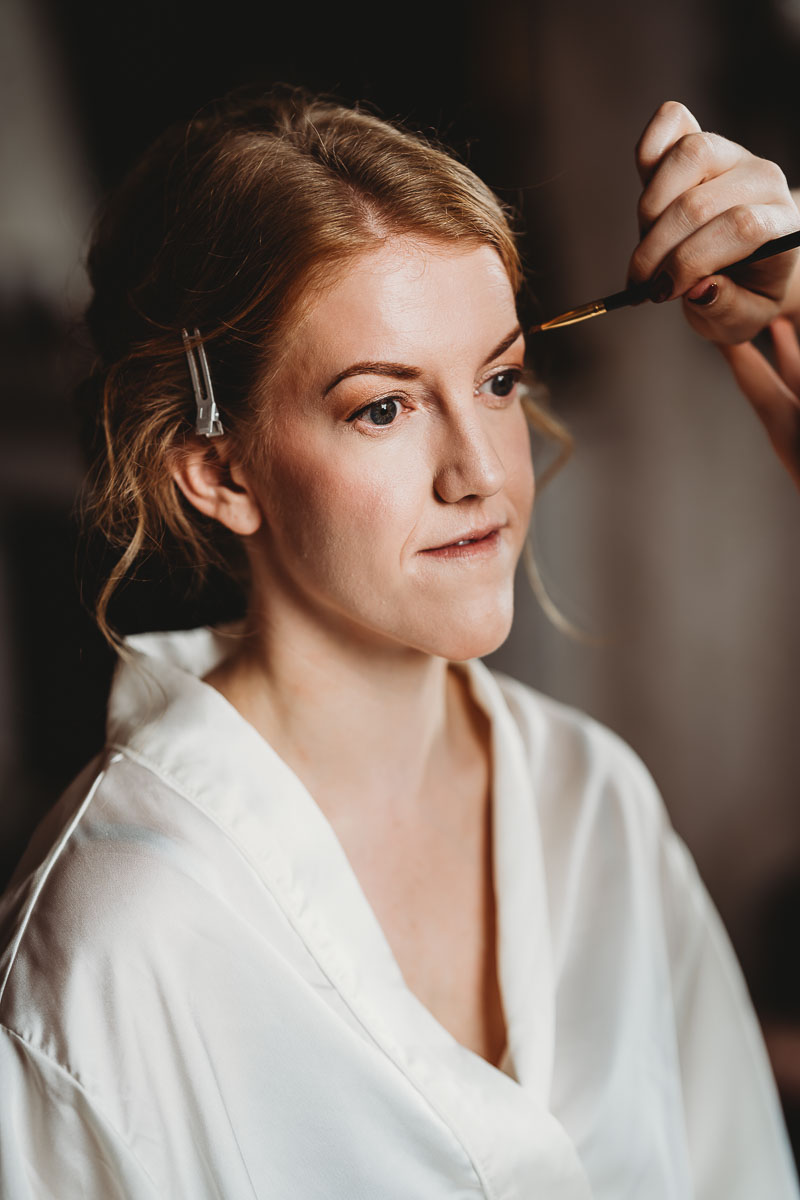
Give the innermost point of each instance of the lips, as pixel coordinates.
(475, 535)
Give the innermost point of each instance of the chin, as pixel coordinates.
(475, 647)
(475, 635)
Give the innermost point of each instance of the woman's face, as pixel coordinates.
(396, 428)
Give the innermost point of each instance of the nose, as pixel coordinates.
(468, 464)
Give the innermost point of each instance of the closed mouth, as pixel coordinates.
(479, 535)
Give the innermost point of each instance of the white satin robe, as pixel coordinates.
(198, 1001)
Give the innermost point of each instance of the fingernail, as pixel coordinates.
(703, 293)
(661, 288)
(639, 292)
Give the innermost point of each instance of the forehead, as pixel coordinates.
(410, 297)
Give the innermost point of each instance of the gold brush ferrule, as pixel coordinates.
(584, 313)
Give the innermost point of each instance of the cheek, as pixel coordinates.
(520, 485)
(337, 507)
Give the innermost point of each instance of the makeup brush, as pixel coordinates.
(640, 291)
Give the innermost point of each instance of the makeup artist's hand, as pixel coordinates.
(706, 203)
(774, 394)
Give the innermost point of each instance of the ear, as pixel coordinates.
(216, 485)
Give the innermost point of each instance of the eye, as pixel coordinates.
(502, 384)
(379, 412)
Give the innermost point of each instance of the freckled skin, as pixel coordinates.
(348, 505)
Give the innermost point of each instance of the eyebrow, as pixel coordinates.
(403, 371)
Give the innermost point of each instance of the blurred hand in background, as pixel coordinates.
(774, 392)
(708, 202)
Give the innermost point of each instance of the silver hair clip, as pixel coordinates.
(207, 421)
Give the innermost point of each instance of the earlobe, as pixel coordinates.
(217, 487)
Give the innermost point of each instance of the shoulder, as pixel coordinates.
(80, 935)
(118, 866)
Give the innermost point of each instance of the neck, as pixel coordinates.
(359, 721)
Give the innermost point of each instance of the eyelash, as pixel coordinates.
(516, 374)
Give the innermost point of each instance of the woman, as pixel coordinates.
(341, 912)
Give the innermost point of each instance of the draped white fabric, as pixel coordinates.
(198, 1001)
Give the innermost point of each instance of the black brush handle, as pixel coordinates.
(789, 241)
(640, 291)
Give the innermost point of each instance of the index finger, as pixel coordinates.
(671, 121)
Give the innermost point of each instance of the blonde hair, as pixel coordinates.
(229, 223)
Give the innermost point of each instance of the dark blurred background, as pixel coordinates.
(672, 534)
